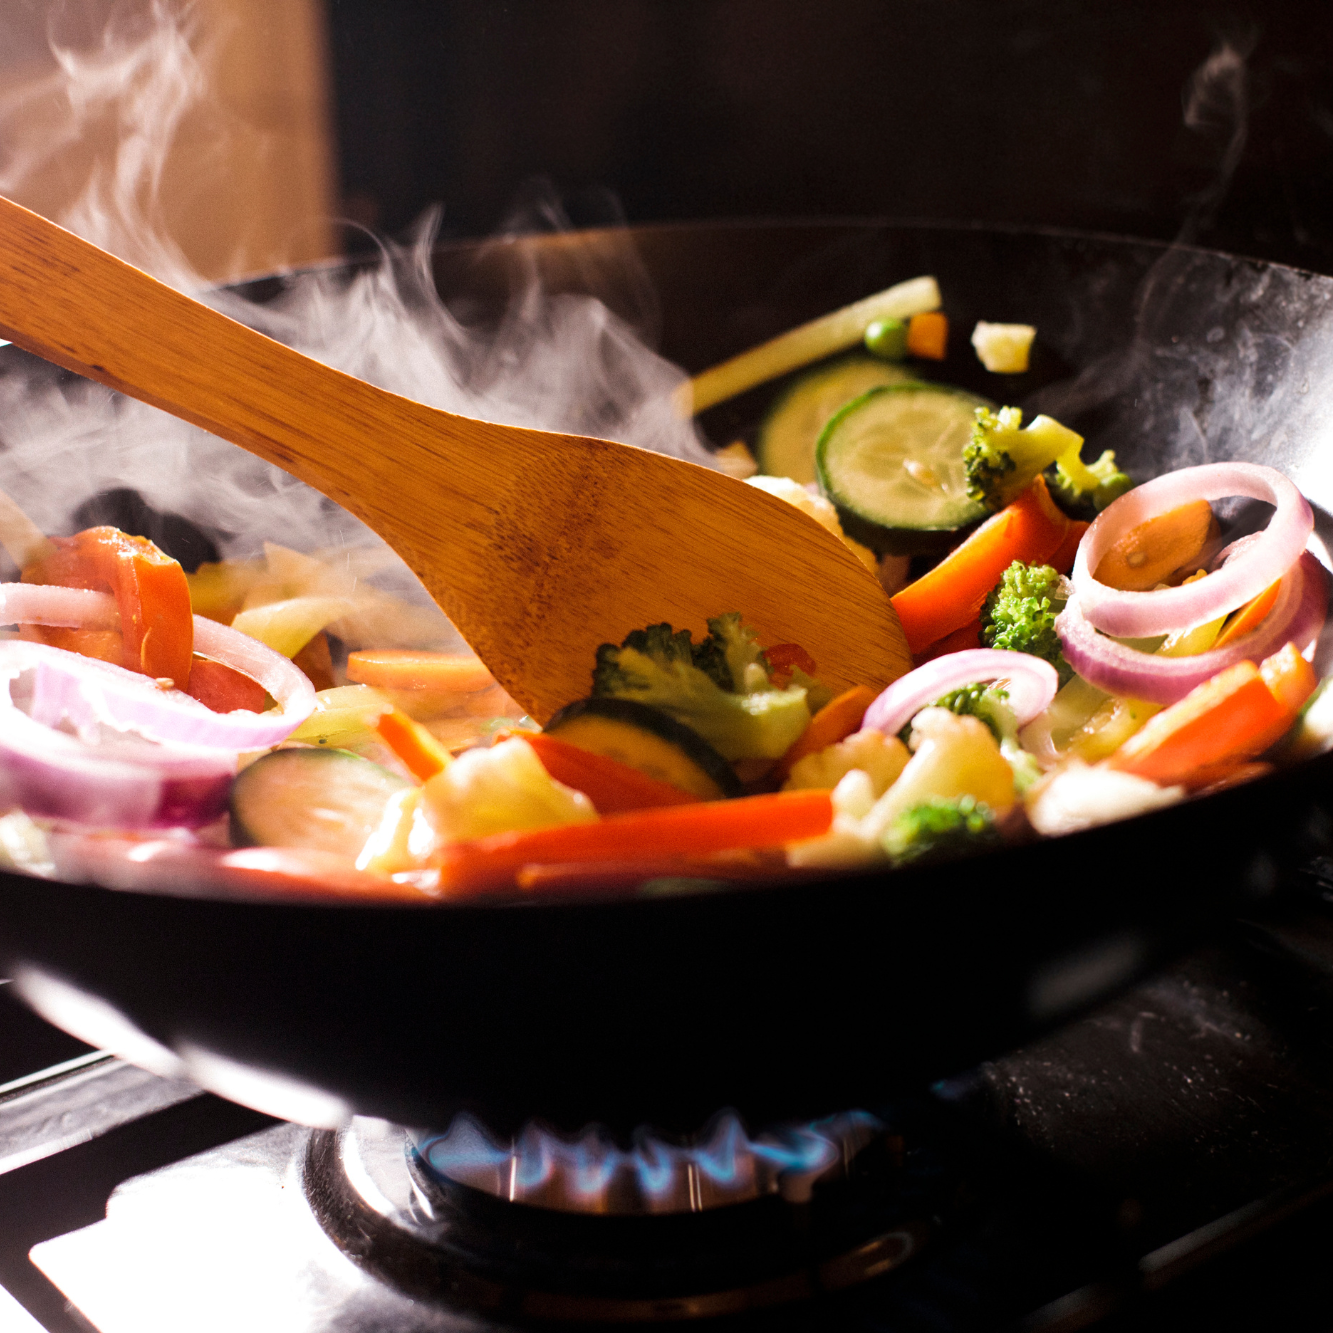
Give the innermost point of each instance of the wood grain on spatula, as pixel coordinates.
(538, 546)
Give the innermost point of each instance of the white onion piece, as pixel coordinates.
(131, 784)
(88, 690)
(1297, 617)
(1250, 570)
(46, 604)
(1030, 683)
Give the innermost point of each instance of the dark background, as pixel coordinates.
(1019, 111)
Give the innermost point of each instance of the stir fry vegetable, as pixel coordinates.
(1086, 650)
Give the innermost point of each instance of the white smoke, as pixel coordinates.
(560, 361)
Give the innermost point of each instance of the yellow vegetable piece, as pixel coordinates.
(288, 626)
(1003, 349)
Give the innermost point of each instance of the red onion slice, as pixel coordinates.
(1251, 569)
(1030, 682)
(90, 691)
(132, 784)
(1297, 617)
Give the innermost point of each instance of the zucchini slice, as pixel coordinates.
(892, 463)
(326, 799)
(787, 438)
(647, 739)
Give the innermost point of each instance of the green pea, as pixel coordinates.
(887, 338)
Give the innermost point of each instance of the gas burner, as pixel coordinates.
(586, 1231)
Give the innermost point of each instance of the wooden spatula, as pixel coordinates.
(537, 546)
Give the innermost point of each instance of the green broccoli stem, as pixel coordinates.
(1040, 443)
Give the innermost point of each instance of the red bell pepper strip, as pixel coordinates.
(680, 831)
(1063, 559)
(1227, 720)
(611, 786)
(223, 688)
(783, 658)
(151, 592)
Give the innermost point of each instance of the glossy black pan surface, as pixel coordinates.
(790, 1001)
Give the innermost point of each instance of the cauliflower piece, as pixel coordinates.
(1079, 796)
(882, 758)
(1003, 348)
(953, 755)
(499, 790)
(846, 844)
(821, 510)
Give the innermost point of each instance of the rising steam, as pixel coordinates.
(559, 361)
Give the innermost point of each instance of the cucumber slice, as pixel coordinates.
(790, 431)
(892, 463)
(647, 739)
(326, 799)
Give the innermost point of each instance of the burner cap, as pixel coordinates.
(462, 1246)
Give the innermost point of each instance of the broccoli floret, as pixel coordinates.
(719, 687)
(731, 655)
(1003, 456)
(940, 831)
(987, 702)
(1082, 489)
(1019, 614)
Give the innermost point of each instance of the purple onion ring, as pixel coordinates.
(1251, 569)
(85, 689)
(1297, 617)
(1030, 683)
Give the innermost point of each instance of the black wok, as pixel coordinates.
(779, 1001)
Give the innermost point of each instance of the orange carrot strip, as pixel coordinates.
(1249, 616)
(413, 744)
(674, 831)
(611, 786)
(1063, 559)
(959, 641)
(928, 335)
(1291, 678)
(949, 596)
(407, 669)
(834, 722)
(1234, 716)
